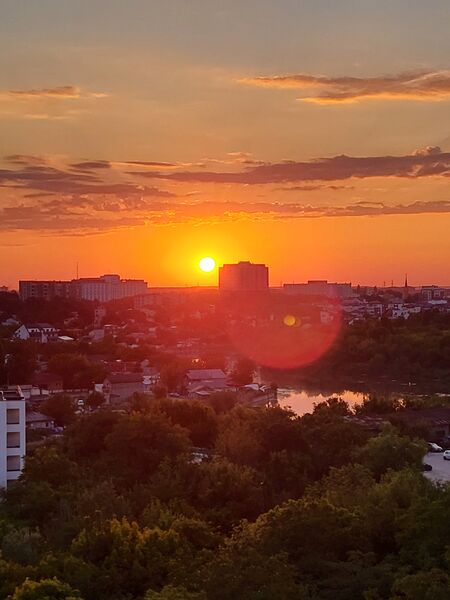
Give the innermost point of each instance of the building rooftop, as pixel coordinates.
(205, 374)
(11, 393)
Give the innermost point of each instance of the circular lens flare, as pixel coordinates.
(207, 264)
(266, 331)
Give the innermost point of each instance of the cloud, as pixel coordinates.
(47, 103)
(314, 188)
(318, 89)
(337, 168)
(91, 165)
(64, 92)
(53, 194)
(37, 178)
(93, 215)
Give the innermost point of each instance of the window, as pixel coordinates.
(12, 416)
(13, 463)
(13, 439)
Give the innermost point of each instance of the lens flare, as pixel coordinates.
(284, 339)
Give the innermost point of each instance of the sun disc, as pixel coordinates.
(207, 264)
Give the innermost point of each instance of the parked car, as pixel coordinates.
(446, 455)
(432, 447)
(426, 467)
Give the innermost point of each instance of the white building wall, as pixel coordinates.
(16, 453)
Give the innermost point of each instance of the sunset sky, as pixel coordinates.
(138, 136)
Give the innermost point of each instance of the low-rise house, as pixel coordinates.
(48, 381)
(37, 420)
(206, 379)
(118, 387)
(39, 332)
(436, 420)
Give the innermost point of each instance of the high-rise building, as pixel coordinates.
(12, 435)
(244, 277)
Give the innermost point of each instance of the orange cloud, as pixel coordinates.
(64, 92)
(423, 86)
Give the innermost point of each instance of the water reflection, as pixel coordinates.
(302, 401)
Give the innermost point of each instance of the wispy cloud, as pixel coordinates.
(63, 92)
(47, 103)
(82, 215)
(430, 161)
(318, 89)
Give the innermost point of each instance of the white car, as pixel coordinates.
(446, 455)
(432, 447)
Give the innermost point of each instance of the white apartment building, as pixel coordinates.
(109, 287)
(12, 435)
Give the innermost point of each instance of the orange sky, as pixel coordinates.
(138, 137)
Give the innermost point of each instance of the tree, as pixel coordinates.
(61, 408)
(86, 437)
(139, 442)
(424, 585)
(243, 372)
(197, 418)
(23, 546)
(170, 592)
(95, 400)
(222, 402)
(46, 589)
(389, 450)
(160, 391)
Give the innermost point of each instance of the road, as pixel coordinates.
(441, 467)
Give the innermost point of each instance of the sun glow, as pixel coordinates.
(207, 264)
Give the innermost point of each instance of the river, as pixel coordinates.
(302, 401)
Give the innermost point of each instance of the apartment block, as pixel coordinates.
(12, 435)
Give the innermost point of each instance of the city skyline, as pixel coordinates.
(148, 135)
(215, 273)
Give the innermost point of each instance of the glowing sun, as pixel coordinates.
(207, 264)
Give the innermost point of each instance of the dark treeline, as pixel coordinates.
(413, 350)
(178, 501)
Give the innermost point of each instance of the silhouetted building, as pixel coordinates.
(244, 277)
(320, 287)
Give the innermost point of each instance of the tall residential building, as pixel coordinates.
(244, 277)
(12, 435)
(103, 289)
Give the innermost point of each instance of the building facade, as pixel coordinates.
(45, 289)
(12, 435)
(244, 277)
(103, 289)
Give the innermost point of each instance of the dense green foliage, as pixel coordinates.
(284, 508)
(413, 350)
